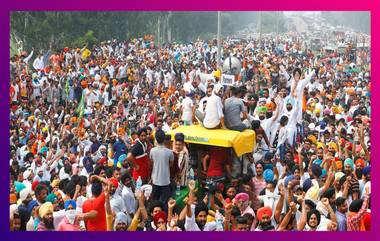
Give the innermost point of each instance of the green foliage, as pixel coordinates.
(55, 30)
(88, 38)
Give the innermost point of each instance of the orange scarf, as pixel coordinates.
(361, 222)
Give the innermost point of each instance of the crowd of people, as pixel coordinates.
(91, 147)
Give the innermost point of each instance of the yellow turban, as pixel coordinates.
(45, 209)
(320, 145)
(312, 194)
(333, 145)
(312, 138)
(55, 183)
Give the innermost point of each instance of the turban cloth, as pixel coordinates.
(122, 218)
(333, 146)
(349, 162)
(306, 185)
(35, 184)
(264, 210)
(158, 216)
(338, 176)
(44, 149)
(360, 162)
(312, 194)
(51, 198)
(288, 179)
(261, 109)
(114, 182)
(268, 175)
(339, 164)
(122, 157)
(289, 100)
(366, 170)
(69, 203)
(24, 194)
(55, 183)
(31, 205)
(19, 186)
(242, 196)
(12, 198)
(45, 209)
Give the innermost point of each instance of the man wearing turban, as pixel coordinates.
(46, 215)
(264, 216)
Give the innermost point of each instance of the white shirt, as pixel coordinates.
(117, 204)
(191, 225)
(213, 112)
(38, 63)
(128, 197)
(187, 109)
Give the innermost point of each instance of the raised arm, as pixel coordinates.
(292, 211)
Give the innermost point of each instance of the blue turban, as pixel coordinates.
(366, 170)
(31, 205)
(306, 185)
(289, 100)
(69, 203)
(268, 175)
(350, 162)
(44, 149)
(19, 186)
(122, 157)
(288, 179)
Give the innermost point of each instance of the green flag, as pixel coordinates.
(67, 88)
(80, 109)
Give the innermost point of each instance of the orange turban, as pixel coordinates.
(264, 210)
(339, 164)
(121, 131)
(84, 84)
(12, 198)
(360, 162)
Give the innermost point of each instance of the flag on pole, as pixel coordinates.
(67, 88)
(80, 109)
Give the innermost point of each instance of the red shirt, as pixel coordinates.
(97, 204)
(219, 158)
(140, 154)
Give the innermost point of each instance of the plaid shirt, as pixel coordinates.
(353, 222)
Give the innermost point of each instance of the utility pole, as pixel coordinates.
(277, 23)
(219, 41)
(261, 26)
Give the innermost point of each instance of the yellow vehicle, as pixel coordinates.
(240, 142)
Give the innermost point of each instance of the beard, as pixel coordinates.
(49, 223)
(121, 228)
(266, 226)
(289, 108)
(201, 224)
(359, 173)
(262, 117)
